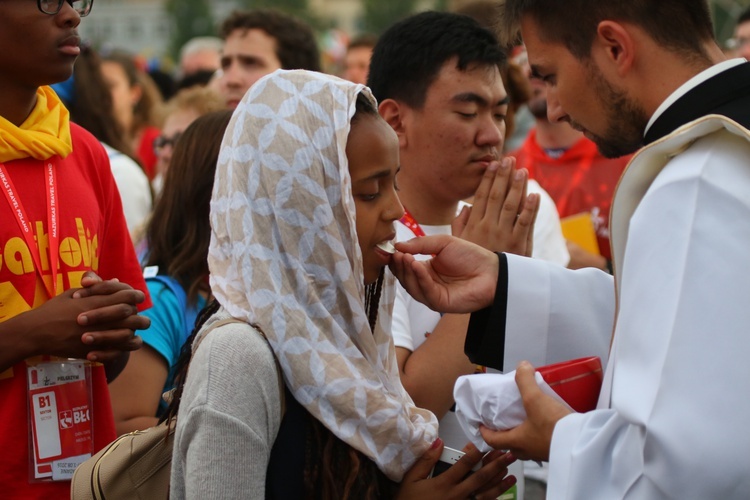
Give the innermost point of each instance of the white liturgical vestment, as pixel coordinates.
(672, 419)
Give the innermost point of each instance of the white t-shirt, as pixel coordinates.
(549, 242)
(134, 188)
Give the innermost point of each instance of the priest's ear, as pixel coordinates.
(614, 48)
(395, 113)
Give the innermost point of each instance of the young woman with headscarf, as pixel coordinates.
(304, 198)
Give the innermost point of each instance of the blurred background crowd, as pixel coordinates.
(157, 29)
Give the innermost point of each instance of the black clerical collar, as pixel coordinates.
(717, 95)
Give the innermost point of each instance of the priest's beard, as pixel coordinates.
(626, 119)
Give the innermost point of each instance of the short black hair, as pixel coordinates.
(410, 54)
(681, 26)
(296, 47)
(744, 17)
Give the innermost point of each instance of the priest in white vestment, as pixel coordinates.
(672, 416)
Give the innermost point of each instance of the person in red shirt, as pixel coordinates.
(61, 227)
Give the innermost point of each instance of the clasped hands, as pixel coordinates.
(502, 216)
(462, 277)
(96, 322)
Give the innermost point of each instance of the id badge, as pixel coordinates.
(60, 418)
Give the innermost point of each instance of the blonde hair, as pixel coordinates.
(202, 100)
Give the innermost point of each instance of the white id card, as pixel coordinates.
(60, 419)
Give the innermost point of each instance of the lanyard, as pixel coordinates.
(409, 221)
(25, 224)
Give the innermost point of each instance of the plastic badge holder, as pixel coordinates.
(577, 381)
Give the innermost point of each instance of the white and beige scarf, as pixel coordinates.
(284, 256)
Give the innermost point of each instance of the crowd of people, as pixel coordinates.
(299, 258)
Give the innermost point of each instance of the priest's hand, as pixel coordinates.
(530, 440)
(460, 278)
(502, 216)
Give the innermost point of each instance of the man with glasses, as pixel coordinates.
(180, 111)
(52, 7)
(741, 41)
(61, 224)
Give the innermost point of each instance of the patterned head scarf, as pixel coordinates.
(284, 256)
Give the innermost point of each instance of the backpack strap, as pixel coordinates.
(202, 335)
(168, 395)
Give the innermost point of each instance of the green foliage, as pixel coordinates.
(190, 18)
(380, 14)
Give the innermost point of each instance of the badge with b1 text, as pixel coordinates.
(60, 418)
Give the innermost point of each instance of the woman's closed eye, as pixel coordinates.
(368, 197)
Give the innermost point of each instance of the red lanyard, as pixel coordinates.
(25, 224)
(409, 221)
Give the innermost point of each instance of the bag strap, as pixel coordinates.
(168, 395)
(227, 321)
(202, 335)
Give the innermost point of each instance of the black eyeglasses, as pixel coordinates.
(162, 142)
(737, 43)
(52, 7)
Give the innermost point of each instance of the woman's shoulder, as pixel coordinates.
(232, 337)
(232, 353)
(233, 373)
